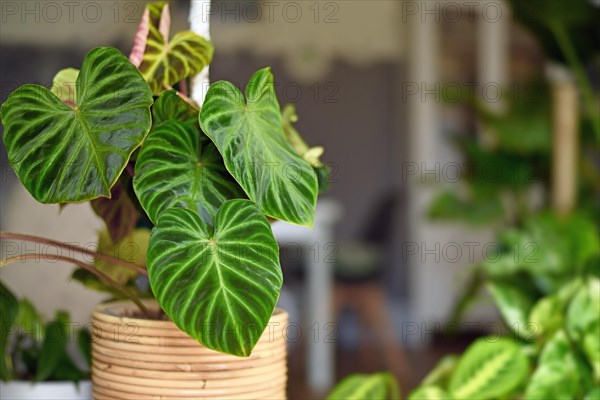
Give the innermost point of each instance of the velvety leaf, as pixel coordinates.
(218, 285)
(64, 86)
(131, 248)
(176, 168)
(556, 375)
(9, 307)
(250, 137)
(490, 368)
(429, 393)
(170, 106)
(167, 62)
(118, 212)
(62, 154)
(376, 386)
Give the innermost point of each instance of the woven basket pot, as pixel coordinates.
(135, 358)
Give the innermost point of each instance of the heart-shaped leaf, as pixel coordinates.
(169, 105)
(64, 154)
(165, 62)
(119, 213)
(176, 168)
(218, 285)
(250, 137)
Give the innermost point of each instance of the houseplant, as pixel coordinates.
(208, 182)
(544, 277)
(36, 362)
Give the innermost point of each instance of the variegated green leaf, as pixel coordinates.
(176, 168)
(218, 285)
(378, 386)
(491, 368)
(167, 62)
(429, 393)
(63, 86)
(557, 373)
(169, 105)
(249, 135)
(64, 154)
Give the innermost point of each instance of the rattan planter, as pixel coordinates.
(147, 359)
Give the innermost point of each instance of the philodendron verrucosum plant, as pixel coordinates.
(209, 181)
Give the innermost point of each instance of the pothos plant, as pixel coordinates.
(208, 180)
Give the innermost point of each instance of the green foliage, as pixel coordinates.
(378, 386)
(166, 62)
(63, 154)
(36, 350)
(248, 132)
(490, 368)
(228, 274)
(9, 308)
(180, 167)
(99, 135)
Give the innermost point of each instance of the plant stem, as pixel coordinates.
(567, 48)
(103, 277)
(96, 255)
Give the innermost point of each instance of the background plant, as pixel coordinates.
(33, 349)
(545, 277)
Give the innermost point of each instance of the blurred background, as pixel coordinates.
(438, 126)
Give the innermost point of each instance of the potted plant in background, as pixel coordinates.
(37, 362)
(545, 277)
(209, 182)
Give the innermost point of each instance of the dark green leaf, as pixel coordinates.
(54, 347)
(30, 321)
(9, 307)
(170, 106)
(84, 343)
(218, 285)
(176, 168)
(249, 135)
(62, 154)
